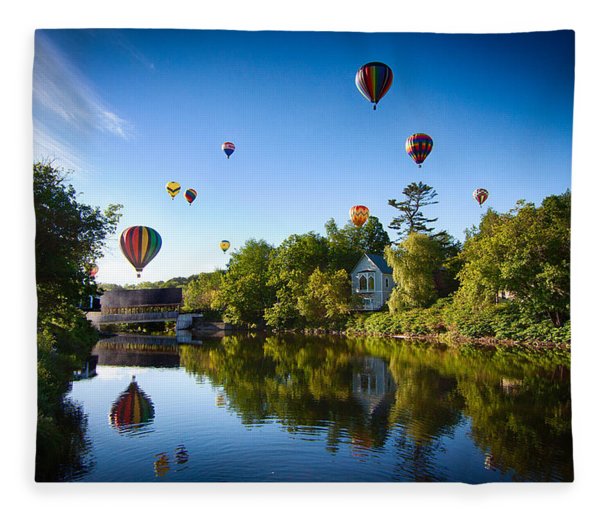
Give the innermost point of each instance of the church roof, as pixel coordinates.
(380, 262)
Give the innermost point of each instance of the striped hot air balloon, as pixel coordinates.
(173, 189)
(359, 215)
(418, 147)
(224, 245)
(132, 410)
(140, 244)
(190, 195)
(480, 195)
(228, 148)
(373, 80)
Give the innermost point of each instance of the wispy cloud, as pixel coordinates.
(60, 89)
(48, 148)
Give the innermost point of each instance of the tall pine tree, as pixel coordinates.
(411, 219)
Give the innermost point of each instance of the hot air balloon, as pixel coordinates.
(359, 215)
(190, 195)
(224, 245)
(228, 148)
(418, 147)
(132, 410)
(93, 270)
(140, 245)
(173, 189)
(373, 80)
(480, 195)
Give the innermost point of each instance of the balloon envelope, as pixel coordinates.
(359, 215)
(140, 244)
(373, 80)
(418, 147)
(228, 148)
(93, 270)
(224, 245)
(190, 195)
(480, 195)
(173, 188)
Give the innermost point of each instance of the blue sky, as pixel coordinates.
(130, 110)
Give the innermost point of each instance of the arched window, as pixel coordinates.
(371, 283)
(362, 283)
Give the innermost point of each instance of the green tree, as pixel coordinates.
(414, 261)
(201, 293)
(346, 245)
(244, 292)
(293, 262)
(411, 219)
(69, 236)
(525, 252)
(327, 300)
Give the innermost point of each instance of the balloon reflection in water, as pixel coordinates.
(133, 410)
(161, 464)
(181, 455)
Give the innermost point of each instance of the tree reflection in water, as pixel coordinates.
(370, 392)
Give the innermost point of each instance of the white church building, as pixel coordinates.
(372, 280)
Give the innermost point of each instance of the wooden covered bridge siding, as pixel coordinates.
(152, 305)
(138, 306)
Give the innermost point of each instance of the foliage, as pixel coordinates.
(201, 293)
(526, 253)
(411, 219)
(327, 300)
(348, 244)
(414, 263)
(244, 291)
(293, 262)
(69, 237)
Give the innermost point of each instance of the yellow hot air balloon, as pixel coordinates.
(173, 189)
(224, 245)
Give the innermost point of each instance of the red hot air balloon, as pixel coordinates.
(132, 410)
(190, 195)
(418, 147)
(93, 270)
(140, 244)
(359, 215)
(373, 80)
(228, 148)
(480, 195)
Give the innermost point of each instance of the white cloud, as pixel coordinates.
(61, 91)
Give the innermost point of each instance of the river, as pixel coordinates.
(313, 408)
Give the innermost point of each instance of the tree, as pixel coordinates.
(411, 219)
(69, 236)
(244, 293)
(346, 245)
(201, 293)
(293, 262)
(414, 261)
(327, 300)
(525, 252)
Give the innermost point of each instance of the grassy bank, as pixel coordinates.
(502, 323)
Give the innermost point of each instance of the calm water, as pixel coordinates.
(322, 409)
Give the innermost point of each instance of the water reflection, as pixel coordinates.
(133, 411)
(374, 393)
(263, 408)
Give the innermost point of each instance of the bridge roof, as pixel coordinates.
(141, 297)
